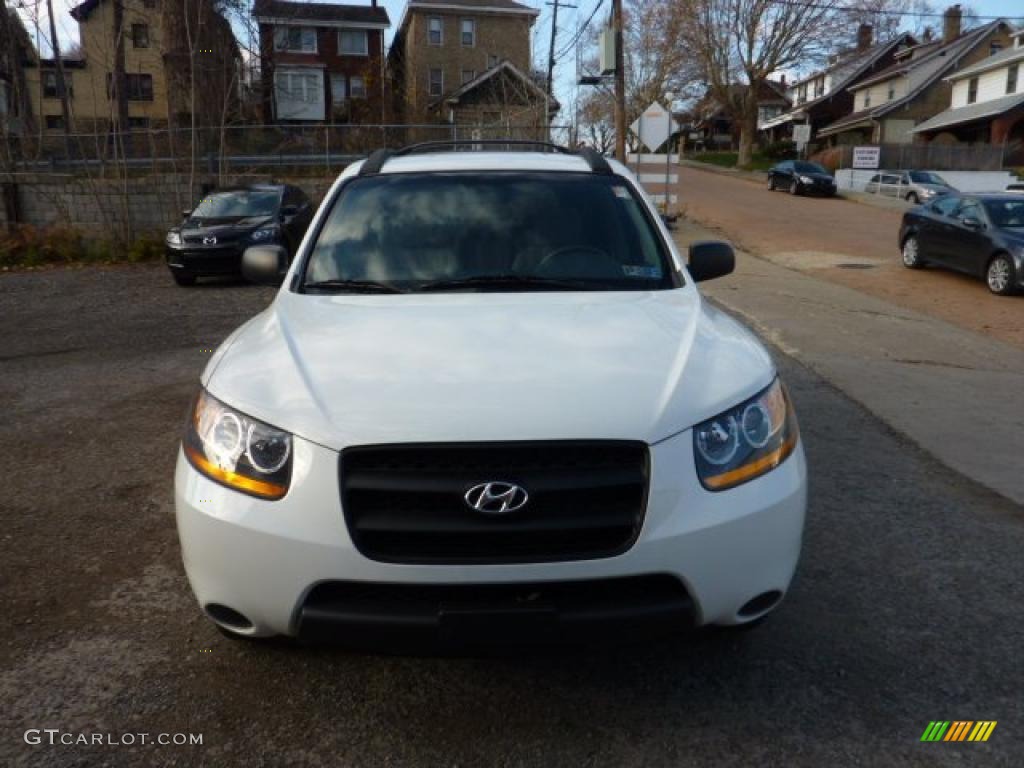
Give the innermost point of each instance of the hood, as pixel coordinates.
(358, 370)
(226, 224)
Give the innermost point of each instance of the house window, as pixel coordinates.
(436, 84)
(50, 90)
(435, 30)
(295, 39)
(353, 42)
(467, 75)
(867, 99)
(138, 123)
(492, 60)
(357, 87)
(892, 92)
(1011, 78)
(994, 48)
(137, 87)
(339, 89)
(140, 36)
(972, 90)
(54, 122)
(467, 29)
(819, 88)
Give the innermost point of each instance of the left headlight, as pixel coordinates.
(806, 179)
(174, 238)
(237, 450)
(265, 233)
(746, 441)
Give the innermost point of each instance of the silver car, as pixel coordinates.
(912, 186)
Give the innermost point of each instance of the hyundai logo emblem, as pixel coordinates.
(209, 240)
(496, 498)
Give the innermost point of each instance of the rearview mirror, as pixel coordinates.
(264, 264)
(710, 259)
(971, 222)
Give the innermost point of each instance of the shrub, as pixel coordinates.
(780, 150)
(29, 246)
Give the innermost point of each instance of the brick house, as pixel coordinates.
(322, 62)
(467, 62)
(156, 64)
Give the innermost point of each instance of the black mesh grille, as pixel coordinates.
(405, 503)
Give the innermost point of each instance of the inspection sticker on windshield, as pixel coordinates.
(622, 192)
(650, 273)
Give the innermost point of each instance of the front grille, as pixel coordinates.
(405, 503)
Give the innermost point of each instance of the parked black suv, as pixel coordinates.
(211, 239)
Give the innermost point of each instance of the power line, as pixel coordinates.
(576, 38)
(873, 11)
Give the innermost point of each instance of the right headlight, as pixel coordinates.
(237, 450)
(746, 441)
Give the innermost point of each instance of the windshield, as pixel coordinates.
(499, 231)
(801, 167)
(1006, 213)
(238, 204)
(924, 177)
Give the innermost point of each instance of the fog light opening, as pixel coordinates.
(760, 604)
(227, 617)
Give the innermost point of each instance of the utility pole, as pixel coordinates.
(620, 84)
(551, 52)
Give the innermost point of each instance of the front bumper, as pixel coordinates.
(282, 565)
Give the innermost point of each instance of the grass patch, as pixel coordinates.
(30, 246)
(759, 162)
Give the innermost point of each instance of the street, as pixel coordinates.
(904, 609)
(845, 242)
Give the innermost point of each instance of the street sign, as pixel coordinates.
(866, 157)
(801, 134)
(654, 126)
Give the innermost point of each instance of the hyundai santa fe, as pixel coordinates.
(488, 403)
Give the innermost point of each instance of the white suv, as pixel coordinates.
(488, 403)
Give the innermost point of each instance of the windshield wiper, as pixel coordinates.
(352, 286)
(509, 281)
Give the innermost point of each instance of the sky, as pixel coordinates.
(568, 21)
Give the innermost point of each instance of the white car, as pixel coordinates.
(488, 404)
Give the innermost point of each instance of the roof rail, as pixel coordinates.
(375, 162)
(372, 165)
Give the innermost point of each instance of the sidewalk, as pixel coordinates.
(955, 393)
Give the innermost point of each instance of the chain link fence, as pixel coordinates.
(242, 149)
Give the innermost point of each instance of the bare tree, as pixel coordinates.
(655, 64)
(745, 41)
(62, 89)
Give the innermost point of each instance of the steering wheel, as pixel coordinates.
(586, 262)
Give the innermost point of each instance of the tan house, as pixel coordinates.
(467, 62)
(891, 103)
(156, 64)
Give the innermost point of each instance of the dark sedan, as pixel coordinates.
(799, 177)
(982, 235)
(211, 239)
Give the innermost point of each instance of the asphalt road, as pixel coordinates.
(850, 243)
(905, 608)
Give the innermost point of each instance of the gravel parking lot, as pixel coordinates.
(905, 607)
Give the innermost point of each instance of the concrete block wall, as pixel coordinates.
(97, 208)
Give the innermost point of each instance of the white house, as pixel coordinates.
(987, 104)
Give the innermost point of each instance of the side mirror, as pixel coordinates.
(710, 259)
(264, 264)
(971, 222)
(669, 219)
(289, 210)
